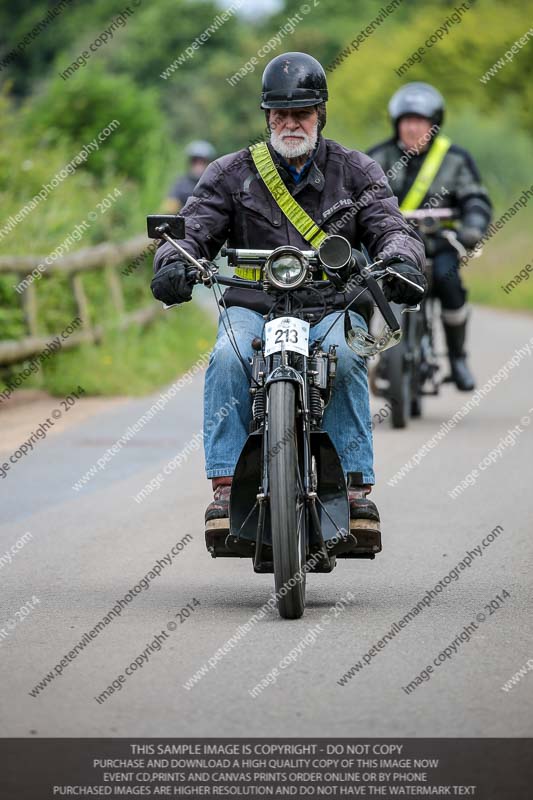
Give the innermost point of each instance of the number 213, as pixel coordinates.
(287, 332)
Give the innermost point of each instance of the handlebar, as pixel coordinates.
(243, 256)
(336, 261)
(430, 213)
(202, 271)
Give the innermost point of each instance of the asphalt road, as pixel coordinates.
(88, 548)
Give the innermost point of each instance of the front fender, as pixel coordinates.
(284, 373)
(334, 511)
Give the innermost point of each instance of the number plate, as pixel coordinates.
(289, 333)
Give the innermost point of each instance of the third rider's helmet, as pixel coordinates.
(417, 98)
(200, 149)
(293, 80)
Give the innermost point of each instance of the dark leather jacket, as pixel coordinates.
(183, 188)
(456, 185)
(343, 190)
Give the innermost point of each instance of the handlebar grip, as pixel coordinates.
(192, 273)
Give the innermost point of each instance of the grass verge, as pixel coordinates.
(504, 258)
(132, 362)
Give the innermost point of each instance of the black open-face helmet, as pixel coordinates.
(417, 98)
(293, 80)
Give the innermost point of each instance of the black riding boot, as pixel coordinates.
(364, 515)
(455, 339)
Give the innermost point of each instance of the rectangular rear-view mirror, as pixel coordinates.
(171, 224)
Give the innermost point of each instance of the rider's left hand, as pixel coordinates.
(399, 291)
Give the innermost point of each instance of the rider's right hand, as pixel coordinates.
(171, 284)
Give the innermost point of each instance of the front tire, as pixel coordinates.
(288, 514)
(399, 391)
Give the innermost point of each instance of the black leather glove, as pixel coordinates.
(171, 284)
(469, 236)
(399, 291)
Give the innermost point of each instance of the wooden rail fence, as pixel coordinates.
(107, 257)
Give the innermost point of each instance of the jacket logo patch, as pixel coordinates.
(340, 204)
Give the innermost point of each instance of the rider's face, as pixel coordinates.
(293, 120)
(413, 131)
(294, 130)
(198, 166)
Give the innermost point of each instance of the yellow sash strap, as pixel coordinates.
(426, 174)
(296, 215)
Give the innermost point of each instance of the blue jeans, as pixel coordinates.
(227, 401)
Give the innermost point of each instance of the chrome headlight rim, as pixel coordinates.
(286, 250)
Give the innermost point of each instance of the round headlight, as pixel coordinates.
(286, 268)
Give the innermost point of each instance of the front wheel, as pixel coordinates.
(399, 389)
(288, 513)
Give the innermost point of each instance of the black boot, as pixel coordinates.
(460, 373)
(364, 515)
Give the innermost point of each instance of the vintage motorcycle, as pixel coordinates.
(411, 371)
(289, 509)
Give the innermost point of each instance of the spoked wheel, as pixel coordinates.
(288, 514)
(419, 366)
(399, 390)
(416, 385)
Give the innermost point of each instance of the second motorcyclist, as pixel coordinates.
(428, 171)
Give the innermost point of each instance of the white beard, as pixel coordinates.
(305, 144)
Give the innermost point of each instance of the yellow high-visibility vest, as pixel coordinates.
(426, 174)
(296, 215)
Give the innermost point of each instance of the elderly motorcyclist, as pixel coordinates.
(344, 191)
(417, 113)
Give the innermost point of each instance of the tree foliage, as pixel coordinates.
(45, 120)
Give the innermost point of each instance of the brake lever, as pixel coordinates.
(453, 239)
(392, 271)
(205, 272)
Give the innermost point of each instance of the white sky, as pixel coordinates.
(254, 8)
